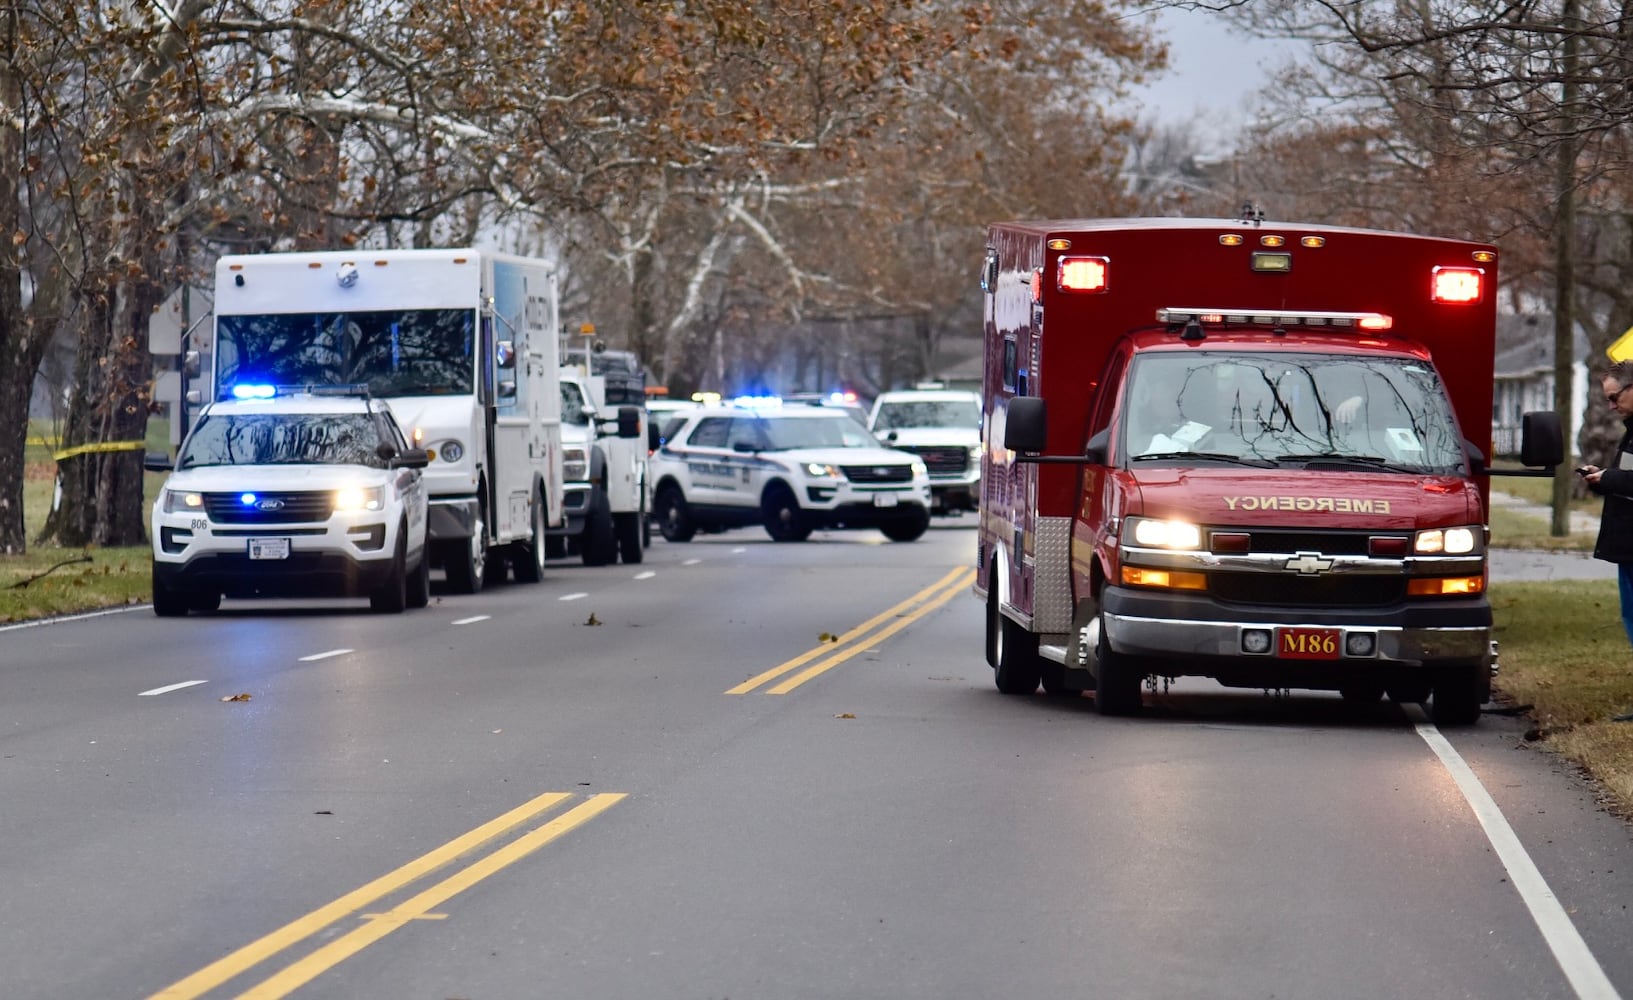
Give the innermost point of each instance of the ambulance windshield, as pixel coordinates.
(1331, 411)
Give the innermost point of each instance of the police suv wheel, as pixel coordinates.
(781, 514)
(674, 519)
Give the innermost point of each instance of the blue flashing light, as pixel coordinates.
(246, 499)
(757, 402)
(253, 392)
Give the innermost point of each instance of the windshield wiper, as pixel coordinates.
(1218, 456)
(1351, 461)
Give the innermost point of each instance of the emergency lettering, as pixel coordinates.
(1329, 505)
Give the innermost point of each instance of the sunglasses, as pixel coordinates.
(1613, 397)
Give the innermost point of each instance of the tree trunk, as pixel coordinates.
(1565, 273)
(21, 347)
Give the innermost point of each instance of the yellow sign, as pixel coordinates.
(586, 330)
(1622, 348)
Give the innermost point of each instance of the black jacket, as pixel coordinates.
(1615, 542)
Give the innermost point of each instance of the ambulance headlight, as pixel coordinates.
(181, 500)
(819, 470)
(1152, 533)
(358, 498)
(575, 464)
(1448, 541)
(452, 451)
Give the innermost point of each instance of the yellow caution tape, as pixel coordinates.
(102, 446)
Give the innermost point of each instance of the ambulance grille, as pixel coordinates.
(1294, 591)
(1328, 543)
(269, 508)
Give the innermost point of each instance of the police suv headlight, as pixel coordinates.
(919, 468)
(575, 464)
(1450, 541)
(181, 500)
(452, 451)
(820, 470)
(1155, 534)
(358, 498)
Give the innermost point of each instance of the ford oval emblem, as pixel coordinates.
(269, 505)
(883, 470)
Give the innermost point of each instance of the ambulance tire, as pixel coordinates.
(1117, 682)
(1016, 666)
(674, 519)
(1458, 694)
(627, 527)
(781, 514)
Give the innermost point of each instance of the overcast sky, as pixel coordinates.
(1213, 72)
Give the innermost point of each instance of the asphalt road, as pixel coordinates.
(587, 788)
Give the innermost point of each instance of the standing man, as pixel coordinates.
(1615, 484)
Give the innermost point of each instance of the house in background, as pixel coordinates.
(1524, 378)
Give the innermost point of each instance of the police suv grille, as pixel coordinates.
(898, 473)
(941, 460)
(269, 508)
(1290, 590)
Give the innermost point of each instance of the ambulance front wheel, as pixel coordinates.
(1458, 694)
(1016, 667)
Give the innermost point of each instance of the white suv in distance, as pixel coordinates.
(792, 469)
(943, 427)
(289, 493)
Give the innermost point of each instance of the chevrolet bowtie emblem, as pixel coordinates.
(1308, 564)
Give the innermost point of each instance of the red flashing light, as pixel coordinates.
(1456, 284)
(1082, 274)
(1376, 322)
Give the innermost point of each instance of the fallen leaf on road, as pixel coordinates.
(845, 715)
(236, 697)
(827, 637)
(592, 620)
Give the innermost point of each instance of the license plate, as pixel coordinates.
(269, 548)
(885, 500)
(1307, 643)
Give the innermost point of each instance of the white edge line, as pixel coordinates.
(169, 688)
(649, 574)
(325, 655)
(472, 620)
(1587, 978)
(691, 562)
(572, 597)
(738, 550)
(72, 618)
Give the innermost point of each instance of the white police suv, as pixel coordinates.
(291, 492)
(792, 469)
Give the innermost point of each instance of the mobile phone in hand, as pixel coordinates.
(1583, 470)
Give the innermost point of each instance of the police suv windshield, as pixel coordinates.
(283, 439)
(837, 431)
(1276, 410)
(396, 352)
(928, 413)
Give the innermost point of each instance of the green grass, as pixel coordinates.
(1564, 654)
(1511, 529)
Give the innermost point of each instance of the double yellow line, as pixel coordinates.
(905, 614)
(378, 925)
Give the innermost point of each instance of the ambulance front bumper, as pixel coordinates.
(1181, 628)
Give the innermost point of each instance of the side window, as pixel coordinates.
(1010, 356)
(710, 432)
(1100, 415)
(745, 431)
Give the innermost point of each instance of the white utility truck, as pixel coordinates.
(462, 344)
(607, 492)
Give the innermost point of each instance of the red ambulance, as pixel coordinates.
(1247, 450)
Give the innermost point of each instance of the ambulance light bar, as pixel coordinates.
(1218, 317)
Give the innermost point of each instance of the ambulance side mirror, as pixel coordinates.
(1542, 442)
(1098, 445)
(1026, 424)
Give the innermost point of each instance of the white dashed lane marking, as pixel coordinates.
(170, 687)
(472, 620)
(325, 656)
(572, 597)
